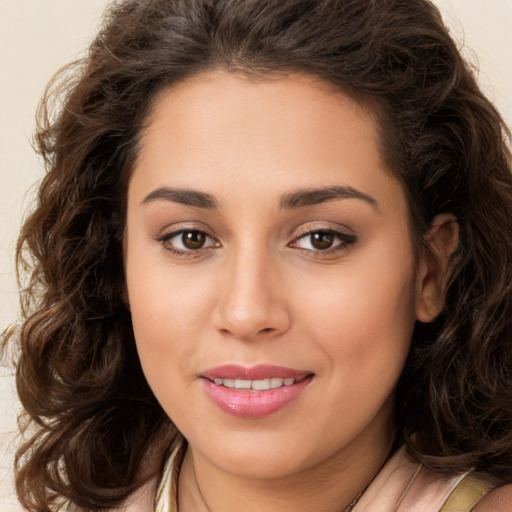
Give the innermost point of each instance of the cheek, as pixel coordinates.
(169, 307)
(167, 314)
(167, 321)
(363, 315)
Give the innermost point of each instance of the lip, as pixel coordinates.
(251, 403)
(257, 372)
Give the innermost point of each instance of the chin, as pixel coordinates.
(262, 456)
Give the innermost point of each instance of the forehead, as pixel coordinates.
(291, 132)
(222, 92)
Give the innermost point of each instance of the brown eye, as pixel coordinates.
(187, 241)
(193, 240)
(322, 240)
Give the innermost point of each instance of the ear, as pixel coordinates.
(440, 243)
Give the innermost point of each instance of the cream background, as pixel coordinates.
(39, 36)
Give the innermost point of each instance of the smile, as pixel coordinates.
(257, 385)
(254, 392)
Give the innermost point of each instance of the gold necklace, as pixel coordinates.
(354, 501)
(199, 488)
(351, 505)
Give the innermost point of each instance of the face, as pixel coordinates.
(270, 272)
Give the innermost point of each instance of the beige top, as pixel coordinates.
(402, 485)
(407, 486)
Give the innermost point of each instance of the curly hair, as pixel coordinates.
(93, 415)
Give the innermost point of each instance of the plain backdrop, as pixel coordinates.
(39, 36)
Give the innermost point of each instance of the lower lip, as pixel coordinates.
(251, 403)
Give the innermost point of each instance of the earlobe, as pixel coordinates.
(440, 243)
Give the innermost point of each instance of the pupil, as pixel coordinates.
(322, 240)
(193, 239)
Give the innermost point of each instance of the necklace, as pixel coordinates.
(353, 503)
(350, 506)
(199, 489)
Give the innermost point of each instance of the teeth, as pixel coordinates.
(243, 384)
(276, 383)
(257, 385)
(260, 385)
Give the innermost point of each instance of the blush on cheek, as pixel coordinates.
(372, 323)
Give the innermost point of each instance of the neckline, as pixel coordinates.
(166, 499)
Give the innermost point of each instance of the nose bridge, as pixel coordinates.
(250, 304)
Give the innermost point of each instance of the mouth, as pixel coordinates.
(258, 385)
(254, 392)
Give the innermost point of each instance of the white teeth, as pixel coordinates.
(276, 382)
(261, 385)
(257, 385)
(243, 384)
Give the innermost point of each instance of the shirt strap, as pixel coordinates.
(167, 492)
(467, 494)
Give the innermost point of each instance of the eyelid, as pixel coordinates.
(174, 233)
(170, 232)
(314, 227)
(185, 225)
(345, 235)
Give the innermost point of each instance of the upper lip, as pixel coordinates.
(257, 372)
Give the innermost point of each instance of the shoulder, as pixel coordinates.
(498, 500)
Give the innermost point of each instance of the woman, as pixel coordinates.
(269, 267)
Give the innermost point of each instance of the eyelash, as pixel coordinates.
(345, 240)
(165, 239)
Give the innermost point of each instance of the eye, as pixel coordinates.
(323, 240)
(187, 240)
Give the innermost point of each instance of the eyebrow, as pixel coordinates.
(297, 199)
(314, 196)
(183, 196)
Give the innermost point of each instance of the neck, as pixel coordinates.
(329, 486)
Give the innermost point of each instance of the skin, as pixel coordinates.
(498, 500)
(260, 291)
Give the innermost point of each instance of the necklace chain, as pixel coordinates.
(351, 505)
(199, 489)
(354, 501)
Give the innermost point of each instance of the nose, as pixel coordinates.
(251, 301)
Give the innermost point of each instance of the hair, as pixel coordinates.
(93, 415)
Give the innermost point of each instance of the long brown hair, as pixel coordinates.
(93, 415)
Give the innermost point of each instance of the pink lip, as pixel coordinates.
(258, 372)
(251, 403)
